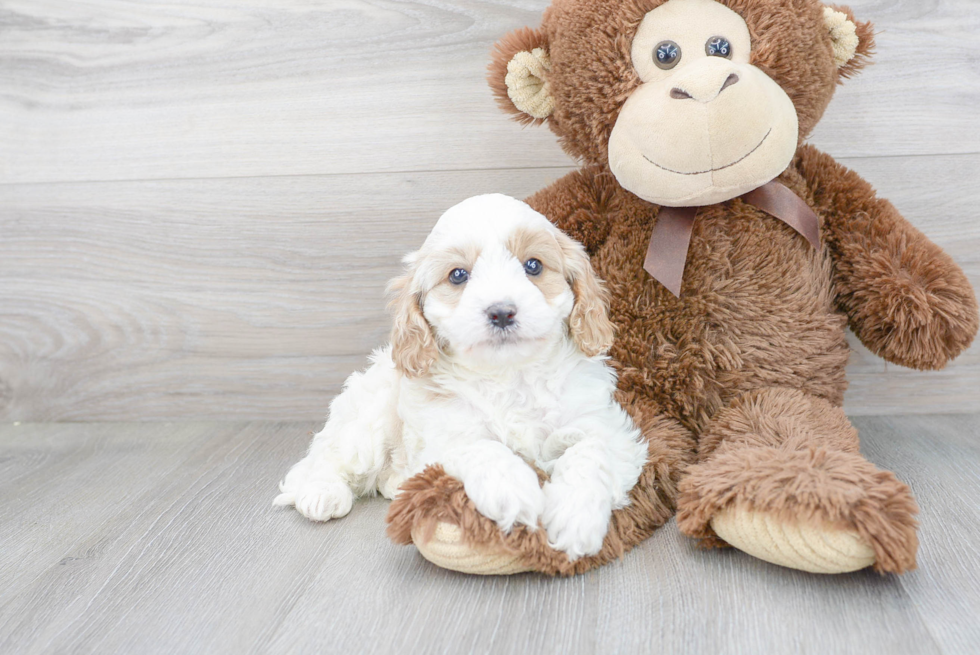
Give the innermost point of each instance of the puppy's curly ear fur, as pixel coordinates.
(589, 323)
(413, 345)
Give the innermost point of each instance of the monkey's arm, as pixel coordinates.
(578, 205)
(905, 298)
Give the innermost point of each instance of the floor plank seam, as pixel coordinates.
(429, 171)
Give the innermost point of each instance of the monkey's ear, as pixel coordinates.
(518, 75)
(853, 42)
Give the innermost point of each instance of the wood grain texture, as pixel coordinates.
(939, 457)
(215, 298)
(175, 547)
(200, 202)
(61, 485)
(115, 89)
(255, 298)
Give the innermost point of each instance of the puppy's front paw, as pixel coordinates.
(320, 501)
(575, 518)
(507, 495)
(389, 486)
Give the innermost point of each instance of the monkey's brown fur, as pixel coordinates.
(433, 496)
(742, 377)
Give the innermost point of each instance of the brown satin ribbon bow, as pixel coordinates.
(667, 252)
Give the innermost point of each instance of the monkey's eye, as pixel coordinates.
(459, 275)
(718, 46)
(666, 55)
(533, 267)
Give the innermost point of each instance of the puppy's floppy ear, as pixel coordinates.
(413, 346)
(518, 76)
(853, 42)
(589, 323)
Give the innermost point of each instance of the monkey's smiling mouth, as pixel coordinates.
(712, 170)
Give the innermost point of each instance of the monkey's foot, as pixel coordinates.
(433, 512)
(446, 548)
(813, 509)
(816, 548)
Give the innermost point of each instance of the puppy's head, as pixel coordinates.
(493, 283)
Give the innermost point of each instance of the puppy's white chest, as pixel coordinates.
(517, 412)
(523, 417)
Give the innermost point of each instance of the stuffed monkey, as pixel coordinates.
(736, 255)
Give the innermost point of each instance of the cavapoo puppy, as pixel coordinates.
(495, 361)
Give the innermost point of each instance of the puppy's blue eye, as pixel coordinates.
(718, 46)
(533, 267)
(459, 275)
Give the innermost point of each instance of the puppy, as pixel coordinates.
(495, 362)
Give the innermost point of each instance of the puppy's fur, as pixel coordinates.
(483, 398)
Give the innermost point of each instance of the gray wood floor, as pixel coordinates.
(160, 538)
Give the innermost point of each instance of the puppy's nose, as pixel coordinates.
(502, 314)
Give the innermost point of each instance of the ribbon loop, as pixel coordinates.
(777, 200)
(671, 236)
(667, 252)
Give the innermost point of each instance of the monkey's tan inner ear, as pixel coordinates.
(527, 83)
(843, 35)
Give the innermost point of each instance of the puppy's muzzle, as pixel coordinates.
(502, 315)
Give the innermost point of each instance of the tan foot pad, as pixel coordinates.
(446, 549)
(805, 547)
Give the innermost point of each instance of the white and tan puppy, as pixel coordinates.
(495, 361)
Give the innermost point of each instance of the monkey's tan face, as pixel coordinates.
(705, 126)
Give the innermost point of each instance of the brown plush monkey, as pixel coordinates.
(700, 205)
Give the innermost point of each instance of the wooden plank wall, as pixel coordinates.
(201, 201)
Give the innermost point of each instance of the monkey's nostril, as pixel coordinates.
(679, 94)
(732, 79)
(502, 315)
